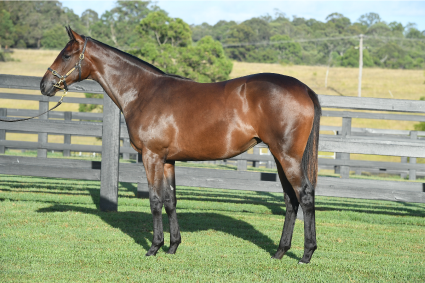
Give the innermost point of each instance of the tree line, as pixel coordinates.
(202, 52)
(277, 38)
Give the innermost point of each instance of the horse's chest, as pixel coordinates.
(151, 135)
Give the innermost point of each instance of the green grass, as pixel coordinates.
(51, 230)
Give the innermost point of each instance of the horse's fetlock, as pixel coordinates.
(310, 246)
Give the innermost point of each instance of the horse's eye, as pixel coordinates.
(66, 57)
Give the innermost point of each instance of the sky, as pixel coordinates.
(199, 11)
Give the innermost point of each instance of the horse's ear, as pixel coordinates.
(76, 36)
(69, 31)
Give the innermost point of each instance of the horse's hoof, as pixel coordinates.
(303, 262)
(173, 248)
(154, 249)
(149, 253)
(280, 253)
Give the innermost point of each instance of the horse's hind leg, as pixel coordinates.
(292, 204)
(290, 161)
(170, 202)
(154, 167)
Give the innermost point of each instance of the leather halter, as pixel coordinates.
(62, 79)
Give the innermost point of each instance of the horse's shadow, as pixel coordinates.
(138, 225)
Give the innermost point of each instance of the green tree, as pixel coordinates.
(89, 18)
(260, 27)
(91, 107)
(166, 30)
(379, 29)
(127, 15)
(390, 55)
(340, 23)
(200, 31)
(369, 19)
(54, 38)
(239, 38)
(69, 18)
(7, 30)
(414, 33)
(351, 58)
(289, 51)
(207, 61)
(396, 27)
(167, 43)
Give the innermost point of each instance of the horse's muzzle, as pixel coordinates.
(47, 87)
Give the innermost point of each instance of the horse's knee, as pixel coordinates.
(156, 205)
(169, 204)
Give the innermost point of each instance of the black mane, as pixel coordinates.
(140, 60)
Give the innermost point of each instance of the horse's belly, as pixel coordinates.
(213, 150)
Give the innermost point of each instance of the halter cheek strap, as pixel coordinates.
(62, 79)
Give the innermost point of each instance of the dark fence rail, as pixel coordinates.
(112, 129)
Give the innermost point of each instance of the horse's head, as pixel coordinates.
(70, 66)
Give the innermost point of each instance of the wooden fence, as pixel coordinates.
(110, 171)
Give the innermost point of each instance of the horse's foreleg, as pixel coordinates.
(170, 202)
(154, 167)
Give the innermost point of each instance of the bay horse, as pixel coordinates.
(171, 118)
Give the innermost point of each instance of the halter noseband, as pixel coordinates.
(62, 79)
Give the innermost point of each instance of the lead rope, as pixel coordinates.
(24, 119)
(58, 84)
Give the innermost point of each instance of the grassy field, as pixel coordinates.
(51, 230)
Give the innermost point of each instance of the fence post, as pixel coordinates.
(67, 137)
(142, 188)
(3, 113)
(42, 137)
(412, 172)
(126, 144)
(403, 160)
(345, 131)
(110, 156)
(256, 152)
(242, 165)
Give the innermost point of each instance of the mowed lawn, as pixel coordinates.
(51, 230)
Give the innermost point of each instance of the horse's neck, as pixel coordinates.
(122, 77)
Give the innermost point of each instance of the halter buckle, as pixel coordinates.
(55, 73)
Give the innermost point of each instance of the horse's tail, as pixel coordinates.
(310, 156)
